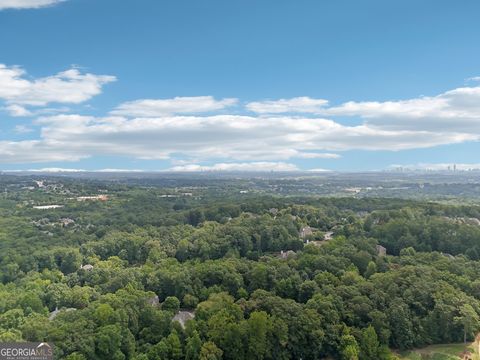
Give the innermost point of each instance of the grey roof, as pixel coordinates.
(55, 312)
(183, 316)
(154, 300)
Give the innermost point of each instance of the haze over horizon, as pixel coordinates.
(247, 86)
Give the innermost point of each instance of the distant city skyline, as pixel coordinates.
(239, 86)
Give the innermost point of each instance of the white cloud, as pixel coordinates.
(22, 129)
(319, 170)
(309, 155)
(455, 110)
(27, 4)
(17, 110)
(74, 170)
(57, 170)
(302, 104)
(449, 118)
(119, 170)
(37, 151)
(222, 137)
(68, 87)
(475, 78)
(178, 105)
(252, 166)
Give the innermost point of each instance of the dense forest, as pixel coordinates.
(116, 270)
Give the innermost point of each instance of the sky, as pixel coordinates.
(271, 85)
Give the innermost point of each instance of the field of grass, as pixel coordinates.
(436, 352)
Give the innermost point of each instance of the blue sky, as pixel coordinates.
(239, 85)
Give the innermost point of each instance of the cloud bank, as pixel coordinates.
(230, 137)
(202, 129)
(251, 167)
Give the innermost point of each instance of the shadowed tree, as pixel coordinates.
(468, 318)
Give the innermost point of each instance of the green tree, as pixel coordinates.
(371, 269)
(307, 290)
(171, 304)
(369, 344)
(12, 319)
(469, 320)
(108, 342)
(190, 301)
(193, 346)
(159, 351)
(68, 260)
(174, 346)
(105, 314)
(75, 356)
(349, 349)
(399, 316)
(210, 351)
(256, 330)
(229, 334)
(10, 335)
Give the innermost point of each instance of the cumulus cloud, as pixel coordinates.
(178, 105)
(252, 166)
(229, 137)
(27, 4)
(302, 104)
(454, 110)
(17, 110)
(67, 87)
(167, 129)
(457, 110)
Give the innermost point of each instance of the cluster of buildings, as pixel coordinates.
(92, 198)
